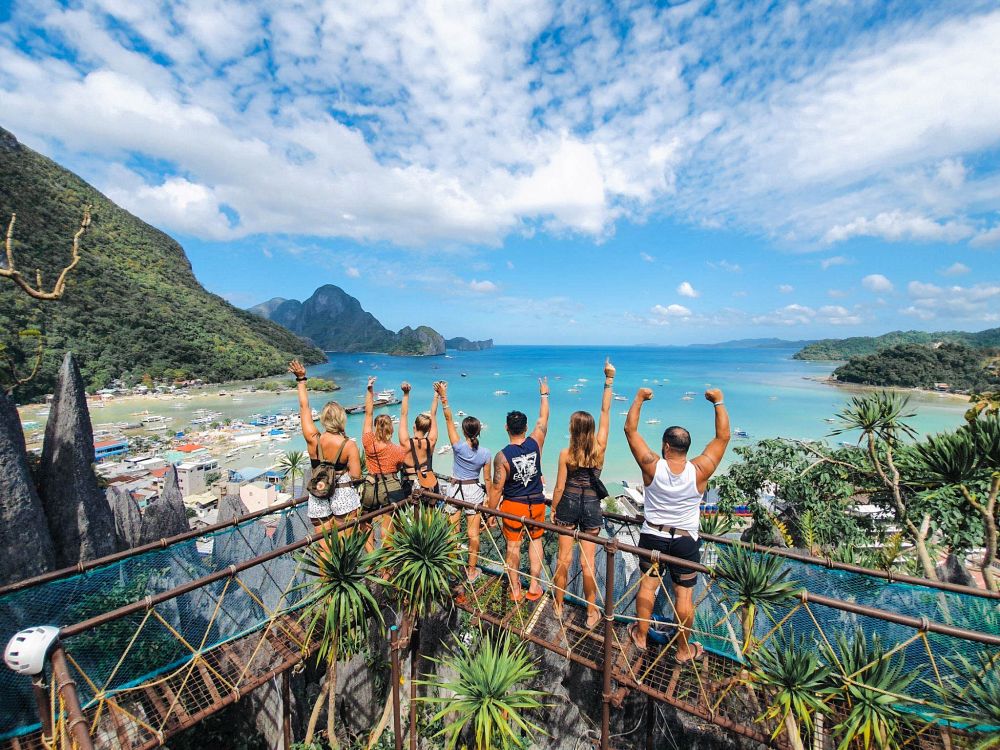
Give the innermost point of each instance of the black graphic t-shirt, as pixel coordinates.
(524, 474)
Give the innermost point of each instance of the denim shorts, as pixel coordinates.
(579, 512)
(683, 547)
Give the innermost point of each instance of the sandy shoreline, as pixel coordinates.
(861, 388)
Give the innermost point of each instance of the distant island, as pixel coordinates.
(857, 346)
(764, 343)
(133, 307)
(948, 366)
(335, 321)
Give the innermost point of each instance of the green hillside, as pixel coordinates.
(859, 346)
(961, 367)
(133, 305)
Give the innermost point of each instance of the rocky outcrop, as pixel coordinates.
(128, 517)
(335, 321)
(231, 507)
(77, 510)
(25, 543)
(462, 344)
(165, 516)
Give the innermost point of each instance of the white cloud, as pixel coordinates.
(671, 311)
(839, 315)
(987, 238)
(896, 226)
(955, 269)
(352, 273)
(724, 265)
(786, 288)
(740, 293)
(686, 290)
(876, 282)
(979, 303)
(647, 257)
(789, 315)
(919, 289)
(836, 293)
(418, 124)
(836, 260)
(482, 287)
(510, 265)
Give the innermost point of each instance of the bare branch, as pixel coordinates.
(38, 292)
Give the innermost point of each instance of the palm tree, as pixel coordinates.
(292, 463)
(341, 603)
(756, 582)
(967, 460)
(791, 671)
(419, 560)
(484, 699)
(870, 686)
(974, 699)
(881, 419)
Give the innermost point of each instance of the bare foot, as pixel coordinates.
(557, 609)
(694, 652)
(593, 617)
(473, 575)
(633, 633)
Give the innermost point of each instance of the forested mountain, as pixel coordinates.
(920, 366)
(132, 305)
(857, 346)
(336, 322)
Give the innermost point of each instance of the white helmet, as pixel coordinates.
(27, 650)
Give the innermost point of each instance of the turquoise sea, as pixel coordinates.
(767, 392)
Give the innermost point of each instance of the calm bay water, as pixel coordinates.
(768, 394)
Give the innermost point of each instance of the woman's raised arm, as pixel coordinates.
(369, 405)
(309, 431)
(404, 416)
(442, 389)
(432, 434)
(605, 424)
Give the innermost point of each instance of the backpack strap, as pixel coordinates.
(416, 462)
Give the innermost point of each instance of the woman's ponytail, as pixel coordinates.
(471, 427)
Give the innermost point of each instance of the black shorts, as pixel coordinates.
(579, 512)
(683, 547)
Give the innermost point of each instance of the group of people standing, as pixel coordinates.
(512, 482)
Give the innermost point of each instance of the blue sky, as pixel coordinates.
(539, 172)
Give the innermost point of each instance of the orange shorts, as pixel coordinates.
(512, 529)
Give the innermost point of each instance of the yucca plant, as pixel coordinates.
(756, 582)
(340, 579)
(421, 558)
(796, 680)
(485, 702)
(974, 698)
(870, 686)
(717, 524)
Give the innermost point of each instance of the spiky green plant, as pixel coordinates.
(718, 524)
(486, 700)
(970, 694)
(880, 415)
(339, 582)
(795, 679)
(421, 558)
(872, 686)
(756, 582)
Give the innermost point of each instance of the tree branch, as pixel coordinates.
(38, 292)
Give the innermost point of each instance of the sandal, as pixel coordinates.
(699, 653)
(532, 596)
(631, 634)
(516, 598)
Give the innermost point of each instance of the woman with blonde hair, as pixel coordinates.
(419, 449)
(576, 501)
(331, 446)
(383, 457)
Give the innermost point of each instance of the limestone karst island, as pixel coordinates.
(499, 376)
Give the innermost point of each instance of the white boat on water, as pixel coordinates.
(444, 449)
(742, 434)
(687, 398)
(388, 394)
(501, 392)
(653, 421)
(573, 390)
(620, 398)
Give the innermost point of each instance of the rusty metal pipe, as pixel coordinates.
(414, 653)
(286, 709)
(83, 567)
(41, 692)
(609, 619)
(66, 686)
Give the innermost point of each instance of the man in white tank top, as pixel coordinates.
(674, 488)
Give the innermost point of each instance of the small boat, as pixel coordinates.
(830, 420)
(653, 421)
(501, 393)
(687, 398)
(623, 413)
(497, 374)
(741, 434)
(582, 380)
(573, 390)
(460, 413)
(465, 374)
(444, 449)
(620, 398)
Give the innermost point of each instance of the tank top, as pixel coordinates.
(524, 475)
(672, 500)
(578, 482)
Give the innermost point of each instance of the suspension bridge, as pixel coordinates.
(154, 640)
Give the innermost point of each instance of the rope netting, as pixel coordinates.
(169, 644)
(137, 648)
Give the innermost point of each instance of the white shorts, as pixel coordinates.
(470, 493)
(345, 499)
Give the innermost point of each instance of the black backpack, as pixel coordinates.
(323, 482)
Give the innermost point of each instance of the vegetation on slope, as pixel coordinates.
(919, 366)
(132, 306)
(857, 346)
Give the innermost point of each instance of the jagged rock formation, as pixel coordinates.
(230, 507)
(165, 516)
(335, 321)
(462, 344)
(25, 542)
(128, 517)
(77, 510)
